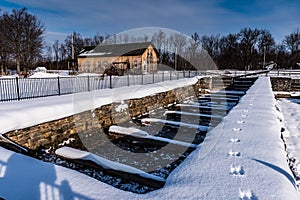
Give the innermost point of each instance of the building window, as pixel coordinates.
(135, 64)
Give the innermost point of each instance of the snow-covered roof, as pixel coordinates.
(39, 69)
(126, 49)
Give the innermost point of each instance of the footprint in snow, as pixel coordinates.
(234, 153)
(235, 140)
(237, 170)
(240, 122)
(244, 115)
(247, 195)
(237, 129)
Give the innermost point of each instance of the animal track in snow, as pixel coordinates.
(237, 129)
(245, 110)
(234, 153)
(246, 195)
(235, 140)
(244, 115)
(237, 170)
(240, 122)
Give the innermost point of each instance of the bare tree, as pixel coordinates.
(5, 50)
(248, 46)
(74, 44)
(97, 39)
(62, 52)
(292, 42)
(49, 55)
(55, 48)
(194, 45)
(211, 44)
(158, 40)
(25, 34)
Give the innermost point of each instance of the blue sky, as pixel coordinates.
(206, 17)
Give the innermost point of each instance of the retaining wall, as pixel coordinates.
(52, 133)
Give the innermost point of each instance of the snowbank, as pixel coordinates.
(26, 113)
(290, 110)
(243, 157)
(131, 131)
(72, 153)
(154, 120)
(45, 75)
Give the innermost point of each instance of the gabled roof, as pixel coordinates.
(129, 49)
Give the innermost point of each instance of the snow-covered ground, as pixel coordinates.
(242, 158)
(26, 113)
(290, 109)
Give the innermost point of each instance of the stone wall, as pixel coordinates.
(52, 133)
(281, 84)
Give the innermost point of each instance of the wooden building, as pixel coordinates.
(135, 58)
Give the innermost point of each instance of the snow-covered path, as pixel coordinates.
(242, 158)
(290, 109)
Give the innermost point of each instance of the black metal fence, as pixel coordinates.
(25, 88)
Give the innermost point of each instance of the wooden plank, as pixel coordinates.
(109, 167)
(142, 134)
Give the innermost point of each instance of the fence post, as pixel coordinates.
(58, 85)
(153, 77)
(170, 75)
(128, 80)
(142, 79)
(163, 77)
(88, 80)
(18, 88)
(110, 82)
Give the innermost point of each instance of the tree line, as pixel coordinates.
(23, 47)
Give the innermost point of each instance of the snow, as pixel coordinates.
(72, 153)
(122, 107)
(241, 158)
(90, 53)
(200, 106)
(228, 92)
(193, 114)
(8, 77)
(45, 75)
(155, 120)
(290, 110)
(26, 113)
(143, 134)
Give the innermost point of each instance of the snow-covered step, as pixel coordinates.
(217, 98)
(125, 171)
(193, 114)
(155, 120)
(237, 92)
(131, 131)
(223, 95)
(201, 106)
